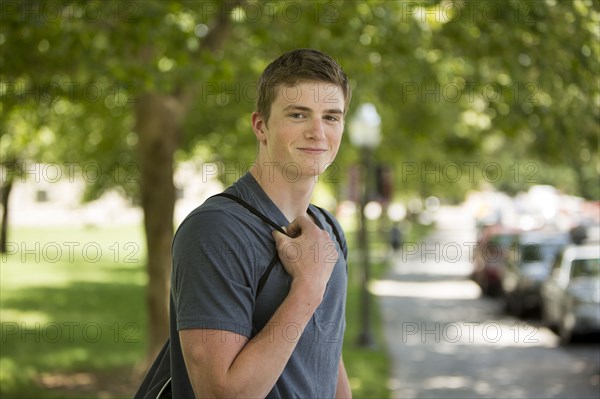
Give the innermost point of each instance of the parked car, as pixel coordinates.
(571, 296)
(489, 257)
(527, 266)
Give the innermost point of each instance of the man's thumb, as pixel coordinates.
(278, 235)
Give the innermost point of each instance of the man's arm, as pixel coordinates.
(343, 385)
(224, 364)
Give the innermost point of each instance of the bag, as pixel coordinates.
(157, 382)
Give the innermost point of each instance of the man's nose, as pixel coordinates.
(317, 130)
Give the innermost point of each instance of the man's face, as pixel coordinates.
(304, 130)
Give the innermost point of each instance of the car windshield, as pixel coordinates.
(585, 268)
(503, 240)
(539, 252)
(531, 253)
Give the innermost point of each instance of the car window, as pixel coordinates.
(504, 240)
(535, 252)
(585, 268)
(531, 253)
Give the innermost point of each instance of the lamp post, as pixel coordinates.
(365, 134)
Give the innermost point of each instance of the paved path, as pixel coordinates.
(448, 342)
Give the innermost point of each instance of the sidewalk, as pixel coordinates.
(420, 287)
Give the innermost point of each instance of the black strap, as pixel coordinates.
(273, 224)
(265, 275)
(335, 230)
(253, 210)
(263, 278)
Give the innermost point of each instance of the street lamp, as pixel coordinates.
(365, 134)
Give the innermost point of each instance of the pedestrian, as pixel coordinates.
(396, 237)
(285, 340)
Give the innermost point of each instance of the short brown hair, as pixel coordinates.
(295, 67)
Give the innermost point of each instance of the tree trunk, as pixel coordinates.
(158, 121)
(157, 124)
(5, 193)
(11, 169)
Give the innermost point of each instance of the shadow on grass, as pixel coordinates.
(77, 340)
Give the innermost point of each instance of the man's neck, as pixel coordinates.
(291, 197)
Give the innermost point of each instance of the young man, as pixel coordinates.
(287, 341)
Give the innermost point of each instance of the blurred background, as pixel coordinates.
(471, 146)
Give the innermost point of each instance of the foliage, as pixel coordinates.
(459, 84)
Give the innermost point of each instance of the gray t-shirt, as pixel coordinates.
(220, 252)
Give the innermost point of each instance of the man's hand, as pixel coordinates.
(308, 254)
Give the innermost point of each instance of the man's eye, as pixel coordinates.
(332, 118)
(296, 116)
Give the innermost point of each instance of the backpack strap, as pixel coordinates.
(335, 230)
(263, 278)
(253, 210)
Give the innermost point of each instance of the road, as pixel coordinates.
(446, 341)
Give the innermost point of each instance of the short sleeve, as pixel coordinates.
(212, 274)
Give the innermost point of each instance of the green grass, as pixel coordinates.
(367, 368)
(71, 311)
(73, 315)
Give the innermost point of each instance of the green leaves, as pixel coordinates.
(452, 80)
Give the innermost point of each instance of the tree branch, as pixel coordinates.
(212, 42)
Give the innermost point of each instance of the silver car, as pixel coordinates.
(571, 296)
(528, 265)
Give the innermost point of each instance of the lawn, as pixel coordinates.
(72, 312)
(73, 318)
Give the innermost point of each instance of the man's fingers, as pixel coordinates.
(300, 224)
(278, 236)
(293, 230)
(297, 227)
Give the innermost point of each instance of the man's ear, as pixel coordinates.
(259, 125)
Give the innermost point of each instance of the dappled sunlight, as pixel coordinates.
(84, 382)
(66, 380)
(437, 289)
(448, 334)
(20, 316)
(447, 381)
